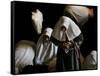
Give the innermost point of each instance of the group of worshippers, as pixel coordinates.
(57, 49)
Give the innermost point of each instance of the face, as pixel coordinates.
(63, 28)
(45, 38)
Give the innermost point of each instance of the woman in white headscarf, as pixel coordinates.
(67, 36)
(46, 51)
(24, 55)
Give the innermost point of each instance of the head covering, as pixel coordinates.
(91, 60)
(45, 51)
(48, 32)
(72, 30)
(24, 55)
(37, 19)
(79, 13)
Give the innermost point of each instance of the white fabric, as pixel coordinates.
(48, 33)
(72, 30)
(91, 59)
(24, 55)
(80, 13)
(45, 51)
(37, 19)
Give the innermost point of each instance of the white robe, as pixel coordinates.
(24, 55)
(45, 52)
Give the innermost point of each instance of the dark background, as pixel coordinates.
(23, 28)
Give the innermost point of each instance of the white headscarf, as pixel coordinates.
(80, 13)
(72, 30)
(37, 19)
(45, 51)
(24, 55)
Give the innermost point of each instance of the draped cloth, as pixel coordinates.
(67, 58)
(45, 51)
(37, 19)
(72, 29)
(24, 55)
(90, 61)
(78, 13)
